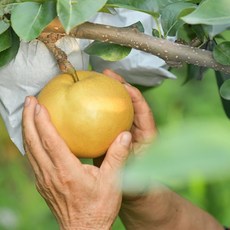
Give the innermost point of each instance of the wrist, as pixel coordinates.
(154, 210)
(87, 223)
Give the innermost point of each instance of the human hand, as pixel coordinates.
(143, 129)
(137, 205)
(80, 196)
(159, 208)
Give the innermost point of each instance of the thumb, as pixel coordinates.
(118, 152)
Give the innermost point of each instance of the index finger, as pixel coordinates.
(51, 141)
(143, 116)
(143, 119)
(31, 139)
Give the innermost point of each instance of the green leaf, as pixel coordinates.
(194, 1)
(107, 51)
(220, 79)
(221, 53)
(210, 12)
(155, 33)
(213, 30)
(225, 90)
(73, 13)
(111, 52)
(30, 18)
(194, 73)
(7, 55)
(164, 3)
(147, 6)
(4, 26)
(138, 25)
(5, 40)
(170, 16)
(196, 149)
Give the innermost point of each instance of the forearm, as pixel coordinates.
(164, 210)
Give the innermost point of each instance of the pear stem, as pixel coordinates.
(49, 39)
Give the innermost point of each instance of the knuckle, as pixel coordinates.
(64, 178)
(27, 143)
(119, 158)
(44, 184)
(38, 187)
(138, 95)
(48, 143)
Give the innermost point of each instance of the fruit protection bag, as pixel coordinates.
(34, 66)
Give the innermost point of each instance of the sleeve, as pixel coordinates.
(138, 67)
(30, 70)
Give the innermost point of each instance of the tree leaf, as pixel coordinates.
(225, 90)
(30, 18)
(138, 25)
(170, 16)
(182, 151)
(164, 3)
(7, 55)
(147, 6)
(73, 13)
(213, 30)
(4, 26)
(194, 72)
(5, 40)
(220, 79)
(221, 53)
(210, 12)
(112, 52)
(194, 1)
(107, 51)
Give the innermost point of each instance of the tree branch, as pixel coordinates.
(131, 37)
(49, 39)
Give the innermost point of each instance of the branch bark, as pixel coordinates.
(49, 39)
(131, 37)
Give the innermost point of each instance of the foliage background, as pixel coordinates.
(22, 208)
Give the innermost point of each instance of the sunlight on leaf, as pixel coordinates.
(197, 149)
(30, 18)
(73, 13)
(210, 12)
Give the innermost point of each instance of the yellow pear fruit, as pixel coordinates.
(88, 113)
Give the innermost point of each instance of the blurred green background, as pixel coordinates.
(22, 208)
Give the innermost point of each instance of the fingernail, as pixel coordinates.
(37, 109)
(27, 101)
(125, 139)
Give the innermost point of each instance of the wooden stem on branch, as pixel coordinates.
(49, 39)
(131, 37)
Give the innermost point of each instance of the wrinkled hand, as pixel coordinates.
(143, 132)
(80, 196)
(143, 129)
